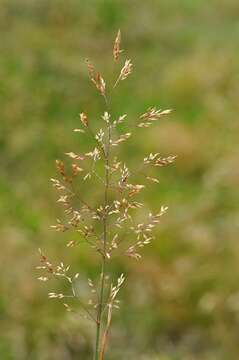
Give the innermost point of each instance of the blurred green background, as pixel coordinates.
(181, 302)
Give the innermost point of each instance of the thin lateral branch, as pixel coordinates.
(82, 304)
(116, 83)
(74, 192)
(87, 311)
(106, 101)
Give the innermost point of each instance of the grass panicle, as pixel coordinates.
(110, 227)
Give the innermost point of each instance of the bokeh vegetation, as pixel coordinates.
(182, 301)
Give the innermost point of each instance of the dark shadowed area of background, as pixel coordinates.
(181, 301)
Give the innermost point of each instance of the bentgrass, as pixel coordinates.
(103, 226)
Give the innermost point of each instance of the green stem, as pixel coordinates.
(99, 315)
(103, 266)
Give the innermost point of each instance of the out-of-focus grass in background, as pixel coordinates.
(182, 300)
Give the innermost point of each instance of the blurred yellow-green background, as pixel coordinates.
(181, 301)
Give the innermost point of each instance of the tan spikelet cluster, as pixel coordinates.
(152, 115)
(96, 78)
(125, 72)
(109, 225)
(157, 160)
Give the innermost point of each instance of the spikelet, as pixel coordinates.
(84, 119)
(100, 84)
(74, 156)
(116, 48)
(76, 169)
